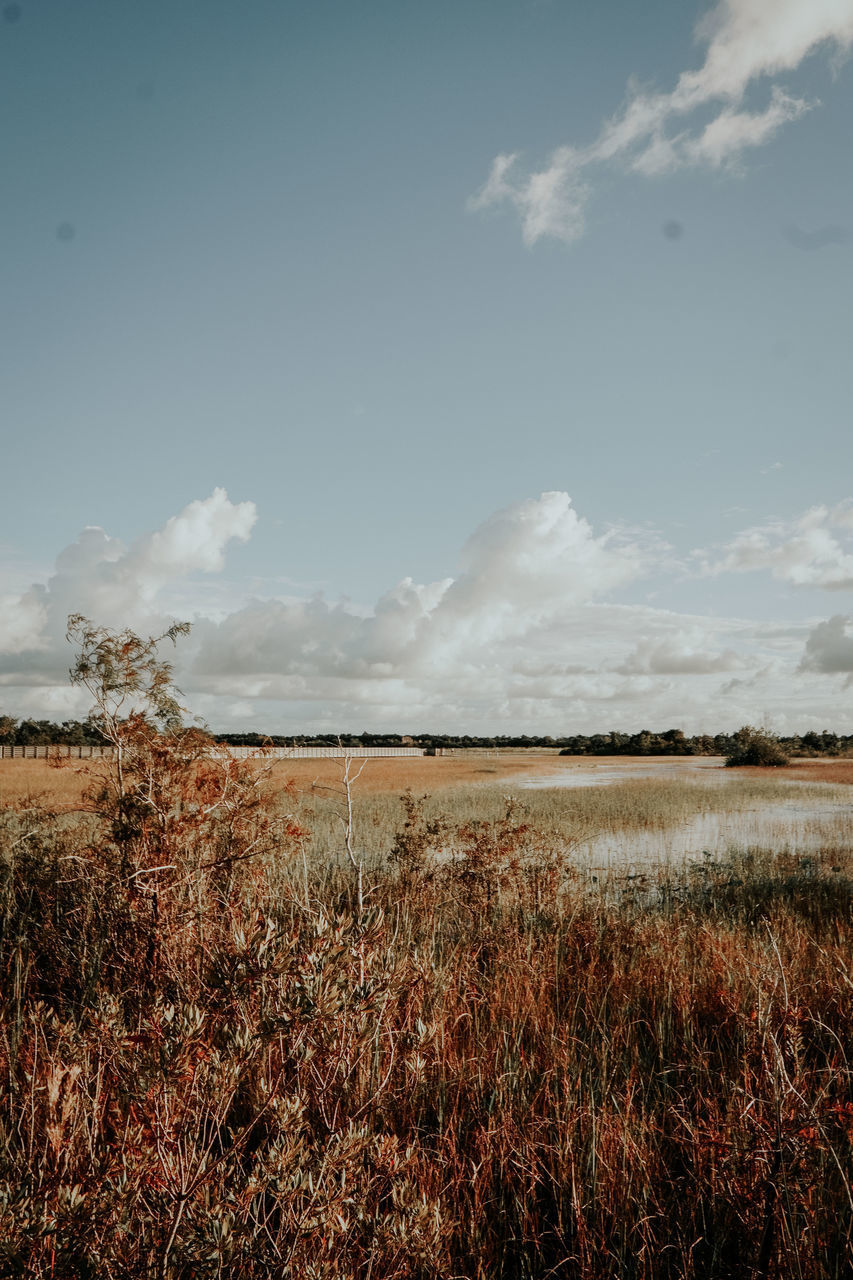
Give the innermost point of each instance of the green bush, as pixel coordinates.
(756, 747)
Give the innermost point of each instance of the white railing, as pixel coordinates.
(54, 751)
(316, 753)
(59, 750)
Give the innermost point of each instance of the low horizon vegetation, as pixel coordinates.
(233, 1049)
(757, 747)
(670, 742)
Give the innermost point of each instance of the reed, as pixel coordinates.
(569, 817)
(215, 1061)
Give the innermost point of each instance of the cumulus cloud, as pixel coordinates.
(747, 41)
(22, 620)
(569, 669)
(532, 561)
(528, 634)
(193, 541)
(684, 653)
(815, 550)
(829, 649)
(115, 585)
(522, 568)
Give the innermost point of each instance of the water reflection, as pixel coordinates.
(799, 824)
(789, 827)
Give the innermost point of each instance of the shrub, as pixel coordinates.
(756, 747)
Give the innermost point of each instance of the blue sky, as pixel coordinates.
(279, 250)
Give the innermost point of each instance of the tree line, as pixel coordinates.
(45, 733)
(671, 742)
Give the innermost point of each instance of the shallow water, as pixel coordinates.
(788, 827)
(592, 773)
(800, 824)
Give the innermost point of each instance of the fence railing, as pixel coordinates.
(55, 751)
(317, 753)
(60, 750)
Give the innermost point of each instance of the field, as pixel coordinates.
(257, 1023)
(63, 782)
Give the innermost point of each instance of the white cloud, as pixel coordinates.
(116, 586)
(193, 541)
(747, 40)
(829, 648)
(523, 568)
(529, 635)
(532, 561)
(816, 550)
(549, 203)
(22, 619)
(731, 132)
(684, 653)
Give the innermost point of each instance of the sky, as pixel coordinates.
(477, 366)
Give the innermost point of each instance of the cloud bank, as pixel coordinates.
(532, 633)
(829, 649)
(113, 584)
(521, 571)
(815, 550)
(703, 121)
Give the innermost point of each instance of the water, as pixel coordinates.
(800, 824)
(790, 826)
(592, 773)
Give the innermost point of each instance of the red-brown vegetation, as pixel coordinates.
(217, 1062)
(485, 1073)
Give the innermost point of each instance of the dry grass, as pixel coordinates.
(836, 771)
(59, 784)
(248, 1030)
(63, 782)
(65, 779)
(216, 1065)
(462, 790)
(568, 818)
(420, 773)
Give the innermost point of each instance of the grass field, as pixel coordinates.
(63, 782)
(461, 790)
(230, 1048)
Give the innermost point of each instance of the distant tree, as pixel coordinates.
(676, 743)
(35, 733)
(753, 746)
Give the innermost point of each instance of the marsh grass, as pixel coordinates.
(490, 1071)
(568, 818)
(64, 780)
